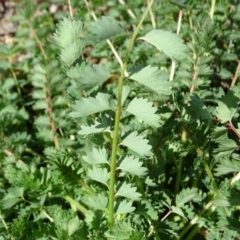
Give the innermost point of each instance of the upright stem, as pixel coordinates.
(117, 120)
(211, 13)
(180, 163)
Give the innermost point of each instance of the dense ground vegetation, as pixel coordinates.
(120, 120)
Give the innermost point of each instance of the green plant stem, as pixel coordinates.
(16, 82)
(193, 232)
(117, 121)
(76, 204)
(179, 164)
(210, 175)
(195, 219)
(3, 222)
(211, 13)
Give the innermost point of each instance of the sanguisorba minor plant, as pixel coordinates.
(120, 119)
(153, 155)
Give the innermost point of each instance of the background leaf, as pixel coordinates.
(167, 42)
(105, 28)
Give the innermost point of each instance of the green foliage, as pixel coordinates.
(120, 128)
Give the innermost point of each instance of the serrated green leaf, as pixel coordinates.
(166, 200)
(97, 127)
(124, 207)
(5, 65)
(227, 200)
(41, 104)
(123, 231)
(89, 76)
(219, 133)
(227, 106)
(73, 225)
(224, 113)
(105, 28)
(187, 195)
(102, 124)
(126, 190)
(225, 74)
(138, 144)
(88, 106)
(97, 202)
(15, 195)
(133, 166)
(178, 211)
(225, 148)
(67, 32)
(99, 174)
(144, 111)
(226, 166)
(167, 42)
(228, 224)
(153, 78)
(42, 120)
(60, 100)
(71, 52)
(198, 110)
(39, 94)
(96, 156)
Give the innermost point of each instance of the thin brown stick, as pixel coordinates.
(195, 74)
(230, 126)
(50, 112)
(155, 227)
(38, 41)
(49, 97)
(152, 15)
(173, 67)
(129, 11)
(70, 9)
(236, 75)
